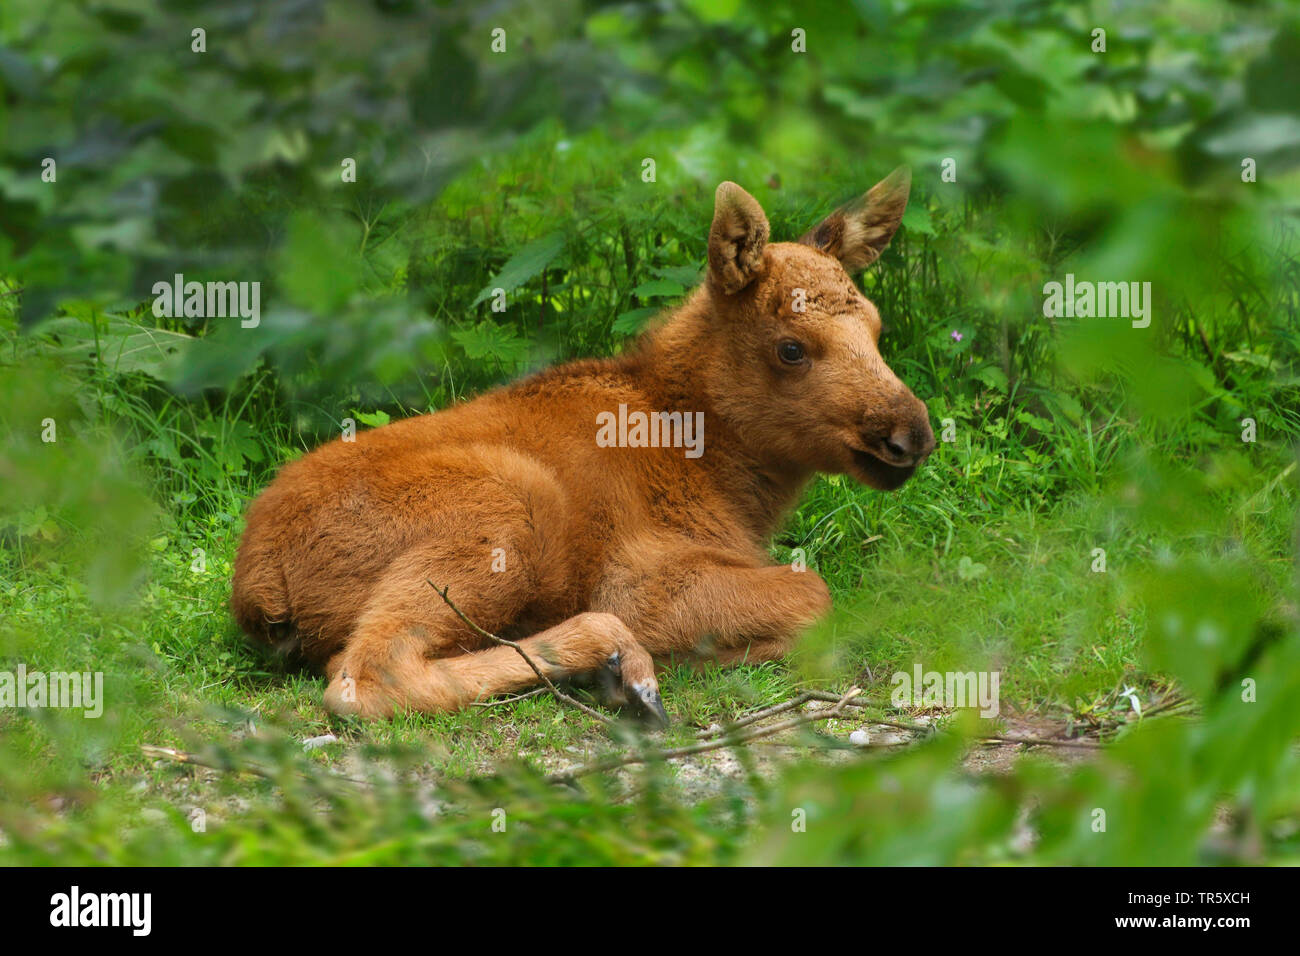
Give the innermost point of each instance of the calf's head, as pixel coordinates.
(797, 370)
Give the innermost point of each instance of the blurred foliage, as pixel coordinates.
(522, 171)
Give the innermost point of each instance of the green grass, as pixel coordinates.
(1065, 438)
(983, 562)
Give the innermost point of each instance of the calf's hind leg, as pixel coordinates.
(408, 679)
(410, 649)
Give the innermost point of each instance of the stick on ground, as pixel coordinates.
(729, 740)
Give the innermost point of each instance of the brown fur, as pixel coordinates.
(614, 557)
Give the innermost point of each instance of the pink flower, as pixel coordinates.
(956, 336)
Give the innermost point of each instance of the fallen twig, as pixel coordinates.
(997, 738)
(199, 760)
(795, 745)
(730, 740)
(914, 728)
(1041, 742)
(559, 694)
(1169, 706)
(771, 711)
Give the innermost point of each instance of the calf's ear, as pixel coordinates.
(736, 239)
(858, 233)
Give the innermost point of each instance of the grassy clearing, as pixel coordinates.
(986, 561)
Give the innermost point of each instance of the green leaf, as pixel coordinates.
(488, 340)
(375, 419)
(917, 219)
(630, 323)
(658, 287)
(124, 345)
(1065, 404)
(523, 265)
(685, 276)
(1255, 134)
(1248, 357)
(320, 269)
(993, 377)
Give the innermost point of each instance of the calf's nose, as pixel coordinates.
(911, 441)
(902, 435)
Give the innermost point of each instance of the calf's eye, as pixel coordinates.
(790, 352)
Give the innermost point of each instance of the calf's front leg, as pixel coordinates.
(711, 604)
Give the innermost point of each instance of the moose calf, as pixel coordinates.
(598, 556)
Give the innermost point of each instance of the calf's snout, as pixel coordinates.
(904, 436)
